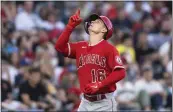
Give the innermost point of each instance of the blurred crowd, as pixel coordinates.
(37, 77)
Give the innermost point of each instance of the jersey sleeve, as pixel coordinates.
(114, 59)
(72, 49)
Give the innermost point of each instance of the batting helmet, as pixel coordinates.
(105, 20)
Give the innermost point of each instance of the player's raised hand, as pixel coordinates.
(75, 19)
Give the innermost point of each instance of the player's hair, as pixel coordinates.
(104, 36)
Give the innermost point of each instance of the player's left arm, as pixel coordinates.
(116, 65)
(117, 74)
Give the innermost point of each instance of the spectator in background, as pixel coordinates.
(97, 8)
(158, 39)
(138, 13)
(168, 90)
(165, 49)
(43, 12)
(8, 11)
(152, 87)
(51, 7)
(126, 96)
(25, 53)
(127, 51)
(169, 67)
(142, 48)
(110, 10)
(22, 76)
(25, 20)
(126, 48)
(33, 93)
(146, 6)
(157, 65)
(61, 95)
(67, 79)
(10, 46)
(148, 25)
(165, 52)
(118, 35)
(122, 21)
(8, 14)
(46, 66)
(87, 8)
(11, 70)
(74, 97)
(157, 10)
(7, 101)
(52, 22)
(6, 90)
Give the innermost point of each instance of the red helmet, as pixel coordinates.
(105, 20)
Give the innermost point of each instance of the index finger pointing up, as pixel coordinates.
(78, 12)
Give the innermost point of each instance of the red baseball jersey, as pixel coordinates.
(94, 63)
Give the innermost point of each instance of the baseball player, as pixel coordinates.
(99, 65)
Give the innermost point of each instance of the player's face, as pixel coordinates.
(97, 26)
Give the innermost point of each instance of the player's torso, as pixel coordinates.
(92, 63)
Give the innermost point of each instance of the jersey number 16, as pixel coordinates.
(98, 75)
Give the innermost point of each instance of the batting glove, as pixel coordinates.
(75, 19)
(92, 88)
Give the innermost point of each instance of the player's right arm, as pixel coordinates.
(62, 44)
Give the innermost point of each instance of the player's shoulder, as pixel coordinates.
(108, 44)
(110, 47)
